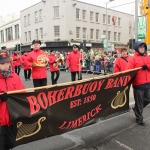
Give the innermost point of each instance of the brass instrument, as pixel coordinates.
(58, 60)
(41, 61)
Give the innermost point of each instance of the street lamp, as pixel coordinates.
(107, 25)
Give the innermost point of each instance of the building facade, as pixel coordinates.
(10, 33)
(59, 24)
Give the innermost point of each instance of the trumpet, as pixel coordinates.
(41, 61)
(58, 60)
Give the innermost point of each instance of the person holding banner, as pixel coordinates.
(4, 50)
(121, 62)
(9, 81)
(53, 61)
(26, 68)
(38, 60)
(141, 83)
(16, 61)
(74, 62)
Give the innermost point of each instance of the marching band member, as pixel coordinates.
(4, 49)
(38, 60)
(16, 61)
(26, 68)
(121, 62)
(74, 62)
(53, 61)
(9, 81)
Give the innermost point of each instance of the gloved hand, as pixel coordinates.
(67, 68)
(144, 67)
(3, 97)
(81, 61)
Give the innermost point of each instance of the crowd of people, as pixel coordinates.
(36, 63)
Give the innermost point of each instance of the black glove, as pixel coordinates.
(81, 61)
(144, 67)
(3, 97)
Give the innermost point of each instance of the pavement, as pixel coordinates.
(117, 133)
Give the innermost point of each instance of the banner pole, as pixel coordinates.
(67, 83)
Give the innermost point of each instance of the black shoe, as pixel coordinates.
(142, 123)
(29, 79)
(133, 109)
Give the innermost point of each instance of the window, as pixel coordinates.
(108, 19)
(29, 35)
(40, 15)
(9, 34)
(25, 37)
(97, 34)
(92, 34)
(109, 34)
(56, 31)
(56, 11)
(2, 36)
(97, 17)
(119, 36)
(129, 30)
(77, 32)
(36, 34)
(119, 22)
(41, 33)
(104, 32)
(36, 16)
(91, 16)
(77, 13)
(17, 31)
(84, 14)
(104, 18)
(25, 20)
(115, 34)
(29, 20)
(84, 33)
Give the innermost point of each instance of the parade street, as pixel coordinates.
(118, 133)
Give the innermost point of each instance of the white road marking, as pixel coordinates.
(123, 145)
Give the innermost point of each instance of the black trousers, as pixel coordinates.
(73, 75)
(17, 70)
(53, 78)
(27, 74)
(142, 99)
(7, 137)
(40, 82)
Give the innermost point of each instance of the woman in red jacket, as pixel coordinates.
(53, 61)
(9, 81)
(74, 62)
(26, 68)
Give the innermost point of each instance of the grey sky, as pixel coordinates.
(10, 6)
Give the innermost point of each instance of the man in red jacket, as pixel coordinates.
(26, 68)
(53, 61)
(38, 60)
(74, 62)
(16, 61)
(9, 81)
(141, 83)
(121, 62)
